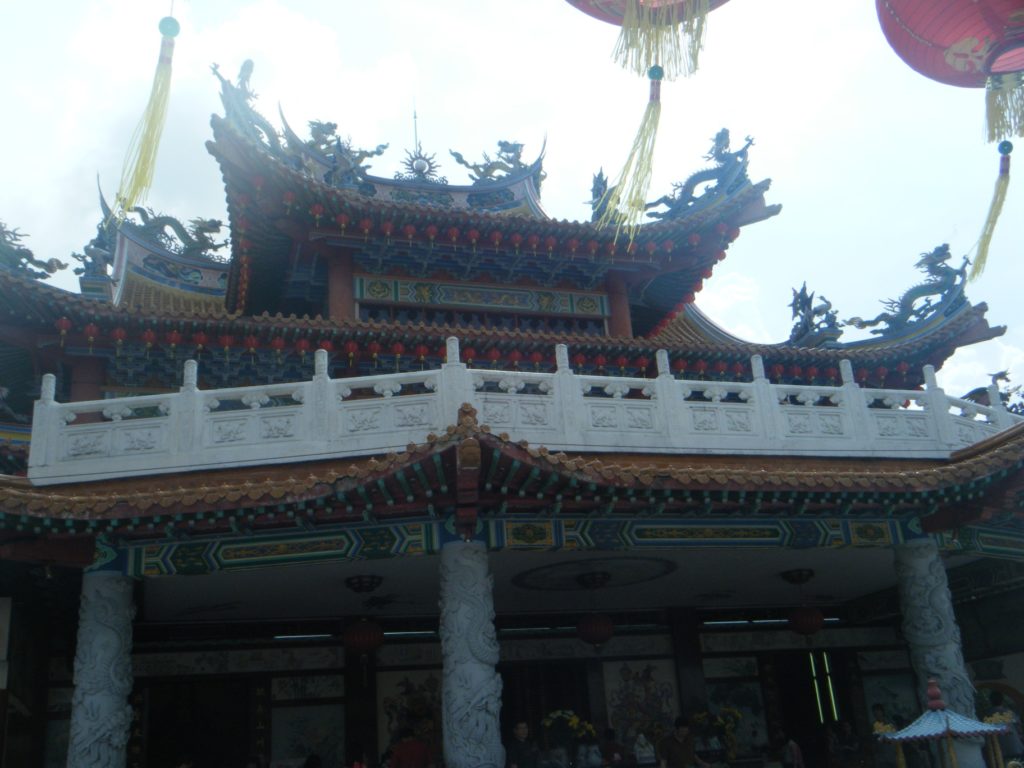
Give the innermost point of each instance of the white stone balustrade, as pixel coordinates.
(328, 418)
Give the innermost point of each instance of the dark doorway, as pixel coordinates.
(206, 719)
(531, 691)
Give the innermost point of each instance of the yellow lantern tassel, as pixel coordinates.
(1004, 105)
(140, 159)
(668, 34)
(624, 203)
(901, 760)
(998, 197)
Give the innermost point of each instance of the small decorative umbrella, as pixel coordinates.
(938, 724)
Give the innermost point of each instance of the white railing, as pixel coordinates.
(331, 418)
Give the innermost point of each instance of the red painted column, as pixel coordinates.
(619, 322)
(341, 302)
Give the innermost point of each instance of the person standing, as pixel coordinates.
(677, 749)
(1010, 743)
(521, 752)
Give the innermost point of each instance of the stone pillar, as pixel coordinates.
(471, 690)
(933, 636)
(100, 712)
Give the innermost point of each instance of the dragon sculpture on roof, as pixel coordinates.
(921, 302)
(17, 258)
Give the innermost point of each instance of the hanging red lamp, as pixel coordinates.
(493, 356)
(118, 335)
(302, 347)
(595, 629)
(363, 637)
(398, 349)
(351, 349)
(63, 325)
(806, 620)
(91, 331)
(277, 344)
(226, 342)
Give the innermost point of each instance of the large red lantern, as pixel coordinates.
(806, 620)
(363, 637)
(595, 629)
(967, 44)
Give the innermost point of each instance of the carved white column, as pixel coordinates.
(932, 634)
(471, 691)
(100, 713)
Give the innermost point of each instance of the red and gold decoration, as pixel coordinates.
(595, 629)
(994, 209)
(967, 44)
(660, 39)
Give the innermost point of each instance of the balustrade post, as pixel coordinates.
(669, 403)
(456, 384)
(45, 419)
(766, 403)
(856, 404)
(937, 405)
(320, 412)
(569, 402)
(1000, 416)
(187, 413)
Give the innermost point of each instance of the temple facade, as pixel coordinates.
(398, 453)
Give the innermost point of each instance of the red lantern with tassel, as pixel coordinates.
(398, 349)
(226, 342)
(469, 353)
(422, 350)
(536, 358)
(515, 357)
(118, 335)
(374, 349)
(149, 339)
(91, 331)
(494, 355)
(277, 344)
(251, 345)
(351, 349)
(806, 620)
(63, 325)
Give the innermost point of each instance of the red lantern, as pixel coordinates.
(277, 344)
(226, 342)
(592, 247)
(342, 221)
(573, 245)
(494, 355)
(453, 235)
(469, 353)
(806, 620)
(641, 363)
(316, 211)
(118, 335)
(622, 361)
(514, 357)
(550, 243)
(351, 349)
(387, 228)
(473, 235)
(251, 345)
(422, 350)
(668, 246)
(812, 372)
(881, 372)
(701, 367)
(63, 325)
(651, 248)
(706, 273)
(199, 339)
(91, 331)
(861, 375)
(409, 231)
(532, 242)
(579, 360)
(600, 361)
(831, 374)
(795, 371)
(431, 231)
(365, 226)
(363, 637)
(374, 349)
(595, 629)
(398, 349)
(495, 238)
(693, 240)
(777, 371)
(149, 337)
(738, 369)
(516, 239)
(173, 339)
(302, 347)
(966, 44)
(720, 367)
(326, 345)
(679, 365)
(288, 198)
(536, 358)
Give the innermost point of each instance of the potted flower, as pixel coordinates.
(563, 729)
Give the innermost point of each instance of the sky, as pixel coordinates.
(872, 163)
